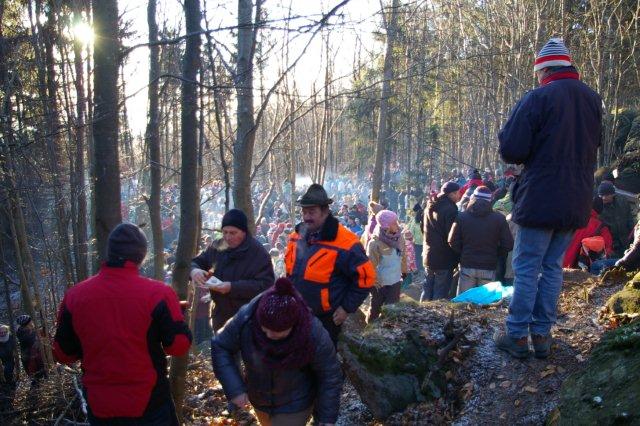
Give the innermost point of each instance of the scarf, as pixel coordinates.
(390, 240)
(569, 73)
(291, 353)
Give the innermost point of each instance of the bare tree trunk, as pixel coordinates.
(263, 204)
(383, 133)
(292, 163)
(24, 260)
(25, 293)
(47, 90)
(91, 245)
(246, 129)
(79, 193)
(153, 144)
(106, 166)
(217, 114)
(189, 188)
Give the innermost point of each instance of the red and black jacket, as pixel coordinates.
(121, 325)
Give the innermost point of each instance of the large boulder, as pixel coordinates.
(394, 361)
(627, 300)
(607, 391)
(629, 170)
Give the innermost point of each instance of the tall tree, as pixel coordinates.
(153, 143)
(106, 166)
(189, 188)
(79, 195)
(48, 91)
(383, 132)
(246, 127)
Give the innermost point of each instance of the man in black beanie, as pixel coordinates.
(126, 242)
(140, 322)
(239, 262)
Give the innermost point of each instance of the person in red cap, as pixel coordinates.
(290, 361)
(121, 326)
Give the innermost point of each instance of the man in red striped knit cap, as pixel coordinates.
(554, 132)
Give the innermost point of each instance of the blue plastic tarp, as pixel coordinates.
(485, 294)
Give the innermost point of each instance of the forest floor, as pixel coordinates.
(497, 389)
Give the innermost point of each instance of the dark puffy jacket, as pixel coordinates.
(479, 234)
(247, 267)
(274, 391)
(122, 326)
(555, 131)
(618, 218)
(438, 219)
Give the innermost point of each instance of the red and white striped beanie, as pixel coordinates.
(553, 54)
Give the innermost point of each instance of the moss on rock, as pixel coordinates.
(607, 391)
(388, 361)
(627, 300)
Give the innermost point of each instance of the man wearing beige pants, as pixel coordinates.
(479, 235)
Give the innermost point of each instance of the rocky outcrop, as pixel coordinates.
(607, 391)
(627, 300)
(401, 358)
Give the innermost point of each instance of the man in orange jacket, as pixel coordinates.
(327, 262)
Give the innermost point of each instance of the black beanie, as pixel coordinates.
(127, 242)
(237, 218)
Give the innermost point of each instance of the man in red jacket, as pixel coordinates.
(121, 326)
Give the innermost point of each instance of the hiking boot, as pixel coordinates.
(517, 348)
(541, 345)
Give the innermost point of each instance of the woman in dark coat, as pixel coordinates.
(239, 261)
(290, 360)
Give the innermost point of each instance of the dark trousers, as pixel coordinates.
(202, 330)
(165, 415)
(383, 295)
(437, 284)
(501, 269)
(331, 327)
(418, 250)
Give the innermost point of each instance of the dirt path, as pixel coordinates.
(500, 389)
(509, 391)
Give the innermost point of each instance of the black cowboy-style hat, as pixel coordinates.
(315, 196)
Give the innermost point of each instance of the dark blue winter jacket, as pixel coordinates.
(277, 391)
(555, 131)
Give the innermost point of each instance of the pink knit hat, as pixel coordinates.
(385, 218)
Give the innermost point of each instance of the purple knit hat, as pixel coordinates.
(385, 218)
(280, 307)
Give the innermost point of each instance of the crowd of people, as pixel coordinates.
(271, 298)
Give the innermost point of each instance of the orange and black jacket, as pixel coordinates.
(331, 272)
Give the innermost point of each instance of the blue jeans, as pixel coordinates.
(437, 284)
(597, 266)
(537, 265)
